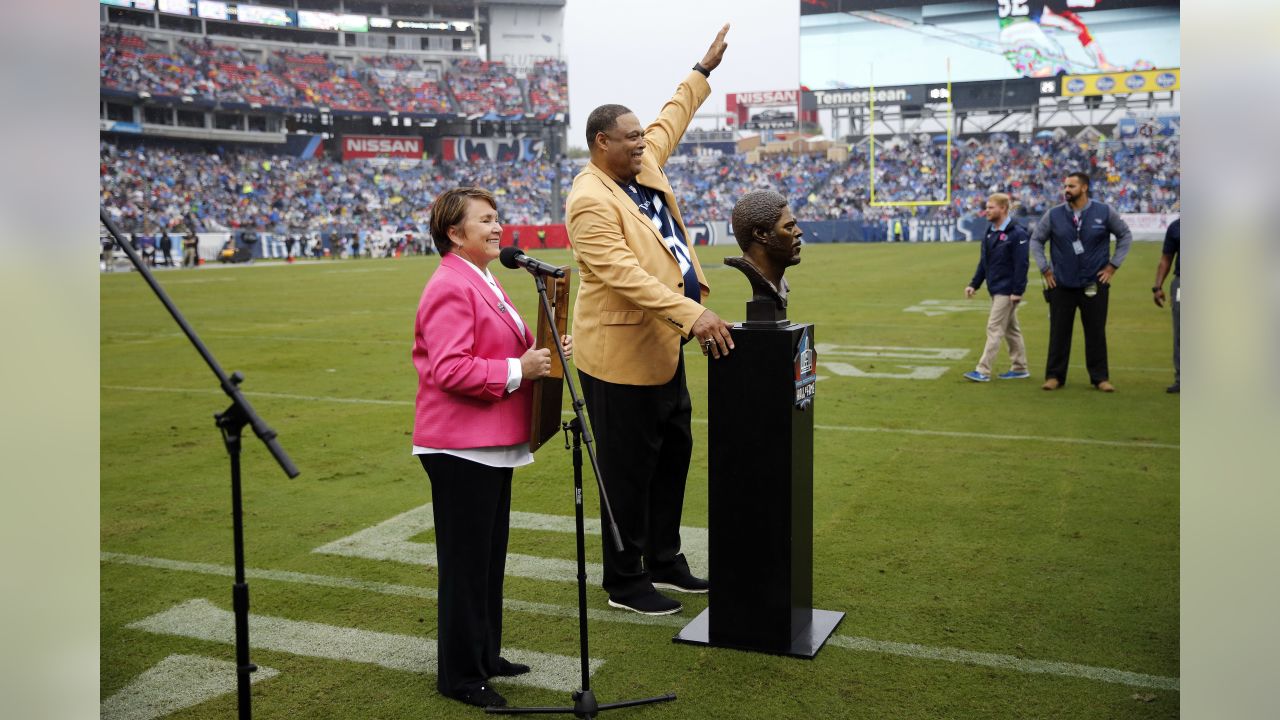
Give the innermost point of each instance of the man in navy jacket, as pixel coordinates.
(1079, 232)
(1172, 248)
(1003, 264)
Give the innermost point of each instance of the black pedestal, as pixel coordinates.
(760, 508)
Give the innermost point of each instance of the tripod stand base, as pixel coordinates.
(584, 706)
(805, 645)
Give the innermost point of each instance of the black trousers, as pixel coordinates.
(1176, 295)
(1063, 303)
(643, 444)
(472, 508)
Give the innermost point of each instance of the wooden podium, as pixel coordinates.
(760, 505)
(548, 392)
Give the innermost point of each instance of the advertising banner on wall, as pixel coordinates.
(1145, 81)
(371, 146)
(1149, 226)
(765, 98)
(509, 149)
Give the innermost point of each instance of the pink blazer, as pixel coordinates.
(461, 343)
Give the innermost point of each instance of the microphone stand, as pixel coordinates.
(230, 423)
(584, 700)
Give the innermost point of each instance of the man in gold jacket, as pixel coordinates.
(638, 303)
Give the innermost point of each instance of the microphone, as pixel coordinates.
(513, 257)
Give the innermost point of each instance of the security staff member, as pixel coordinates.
(1079, 232)
(1172, 249)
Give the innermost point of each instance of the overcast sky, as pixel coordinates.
(635, 53)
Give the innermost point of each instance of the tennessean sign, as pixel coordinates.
(368, 146)
(857, 97)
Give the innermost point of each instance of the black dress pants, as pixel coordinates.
(1063, 303)
(471, 504)
(643, 444)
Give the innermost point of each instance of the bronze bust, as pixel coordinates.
(770, 240)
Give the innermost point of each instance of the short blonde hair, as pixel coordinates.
(1000, 199)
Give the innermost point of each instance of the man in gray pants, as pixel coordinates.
(1172, 247)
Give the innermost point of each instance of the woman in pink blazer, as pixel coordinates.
(475, 359)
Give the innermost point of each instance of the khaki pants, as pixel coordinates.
(1002, 324)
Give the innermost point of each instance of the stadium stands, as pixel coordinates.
(235, 187)
(1133, 176)
(710, 187)
(235, 77)
(223, 72)
(323, 82)
(406, 86)
(252, 188)
(486, 88)
(549, 89)
(126, 63)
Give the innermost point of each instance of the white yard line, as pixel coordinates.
(252, 394)
(179, 622)
(142, 337)
(176, 683)
(836, 428)
(202, 620)
(391, 540)
(693, 351)
(379, 587)
(993, 436)
(1007, 662)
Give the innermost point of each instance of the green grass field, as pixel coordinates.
(1000, 552)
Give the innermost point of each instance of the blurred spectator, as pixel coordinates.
(190, 249)
(166, 248)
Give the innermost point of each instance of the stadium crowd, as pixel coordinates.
(483, 87)
(710, 186)
(324, 82)
(248, 188)
(203, 69)
(549, 88)
(235, 188)
(406, 86)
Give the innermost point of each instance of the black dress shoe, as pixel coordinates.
(680, 581)
(482, 696)
(506, 668)
(650, 603)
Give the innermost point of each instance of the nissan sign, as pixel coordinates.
(768, 98)
(368, 146)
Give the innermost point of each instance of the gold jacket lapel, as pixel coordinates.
(620, 196)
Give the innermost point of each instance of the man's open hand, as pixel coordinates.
(715, 53)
